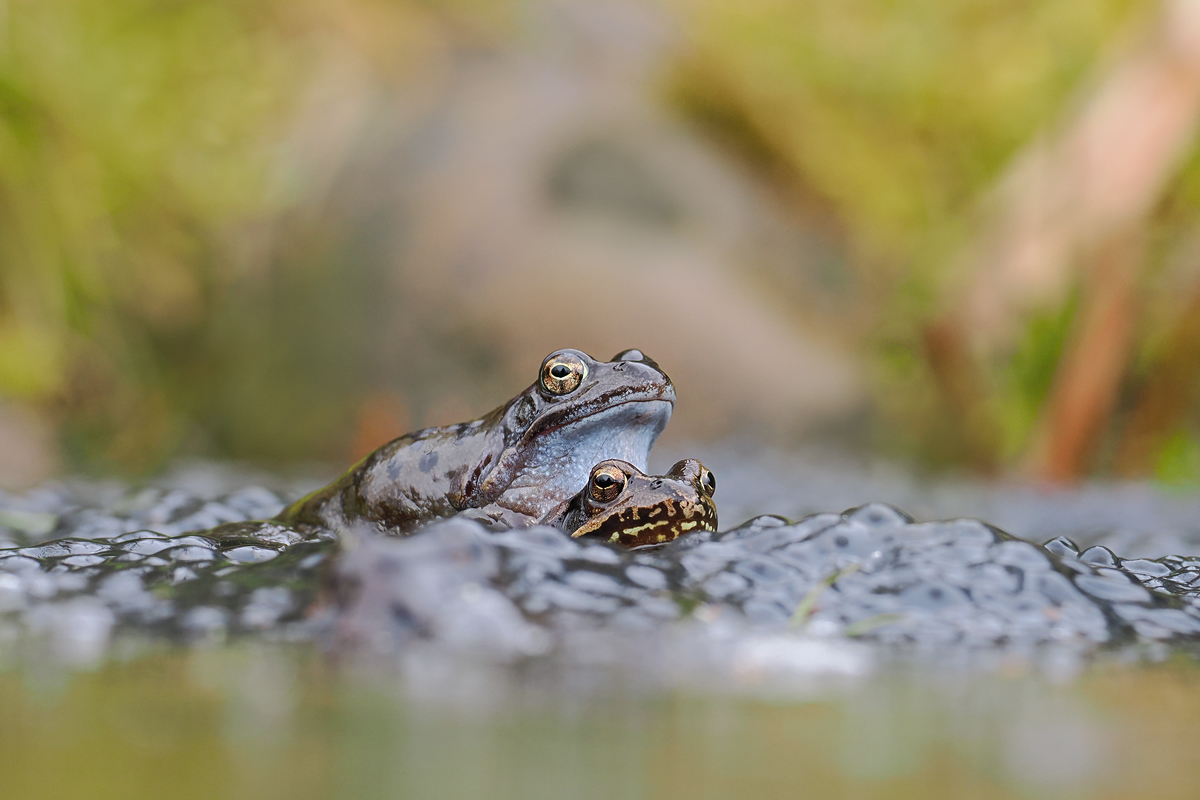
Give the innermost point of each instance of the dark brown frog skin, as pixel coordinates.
(622, 505)
(513, 465)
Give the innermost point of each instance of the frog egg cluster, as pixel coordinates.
(104, 511)
(81, 567)
(872, 573)
(76, 591)
(876, 573)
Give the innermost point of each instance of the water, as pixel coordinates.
(267, 721)
(857, 655)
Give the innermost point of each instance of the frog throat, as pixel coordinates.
(554, 463)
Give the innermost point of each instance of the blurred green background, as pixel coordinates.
(959, 232)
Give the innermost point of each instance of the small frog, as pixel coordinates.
(622, 505)
(513, 465)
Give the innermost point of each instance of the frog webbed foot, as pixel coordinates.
(496, 518)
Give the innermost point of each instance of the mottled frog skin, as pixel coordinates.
(622, 505)
(511, 466)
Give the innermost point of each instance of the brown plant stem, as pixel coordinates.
(1089, 374)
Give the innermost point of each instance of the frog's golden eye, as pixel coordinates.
(607, 483)
(708, 482)
(562, 373)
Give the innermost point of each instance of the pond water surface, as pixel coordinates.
(258, 721)
(494, 671)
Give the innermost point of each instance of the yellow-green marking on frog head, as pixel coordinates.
(622, 505)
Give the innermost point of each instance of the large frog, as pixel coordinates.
(511, 466)
(622, 505)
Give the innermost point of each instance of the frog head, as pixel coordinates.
(622, 505)
(578, 412)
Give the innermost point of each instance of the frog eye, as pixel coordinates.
(607, 483)
(708, 482)
(562, 373)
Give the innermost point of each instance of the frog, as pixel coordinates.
(512, 465)
(622, 505)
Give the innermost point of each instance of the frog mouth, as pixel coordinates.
(589, 410)
(607, 409)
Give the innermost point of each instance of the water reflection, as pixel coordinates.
(268, 721)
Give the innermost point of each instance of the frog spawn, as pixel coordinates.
(77, 591)
(872, 574)
(102, 511)
(958, 582)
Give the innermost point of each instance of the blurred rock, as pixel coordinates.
(535, 196)
(565, 207)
